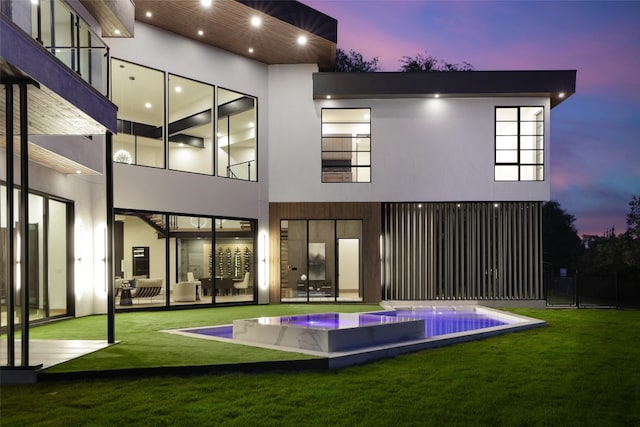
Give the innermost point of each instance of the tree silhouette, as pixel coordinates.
(354, 62)
(423, 62)
(561, 245)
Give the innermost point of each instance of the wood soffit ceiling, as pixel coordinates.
(48, 114)
(226, 25)
(49, 159)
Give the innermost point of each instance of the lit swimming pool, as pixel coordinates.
(346, 339)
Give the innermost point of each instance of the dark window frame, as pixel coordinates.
(519, 163)
(338, 165)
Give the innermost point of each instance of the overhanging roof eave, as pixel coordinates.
(447, 84)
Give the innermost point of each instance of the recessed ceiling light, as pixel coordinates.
(178, 89)
(78, 172)
(206, 3)
(561, 94)
(256, 21)
(437, 95)
(147, 105)
(302, 40)
(200, 32)
(149, 14)
(117, 32)
(181, 144)
(328, 96)
(251, 124)
(250, 50)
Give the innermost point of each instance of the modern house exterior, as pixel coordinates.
(161, 155)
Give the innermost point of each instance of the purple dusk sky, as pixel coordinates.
(595, 134)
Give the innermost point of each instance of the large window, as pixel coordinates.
(519, 144)
(237, 141)
(178, 260)
(346, 145)
(191, 124)
(139, 94)
(192, 113)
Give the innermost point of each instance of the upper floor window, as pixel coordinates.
(237, 136)
(191, 124)
(139, 94)
(346, 145)
(519, 144)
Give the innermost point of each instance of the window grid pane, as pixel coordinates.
(346, 145)
(519, 144)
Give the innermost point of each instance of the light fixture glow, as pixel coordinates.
(437, 95)
(256, 21)
(122, 156)
(328, 96)
(147, 105)
(117, 32)
(302, 40)
(561, 95)
(206, 3)
(250, 50)
(251, 124)
(200, 32)
(149, 14)
(178, 89)
(78, 172)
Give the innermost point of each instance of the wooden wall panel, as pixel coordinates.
(369, 213)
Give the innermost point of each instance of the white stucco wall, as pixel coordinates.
(421, 149)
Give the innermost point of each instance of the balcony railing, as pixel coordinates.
(67, 36)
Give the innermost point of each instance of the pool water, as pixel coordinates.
(437, 321)
(443, 321)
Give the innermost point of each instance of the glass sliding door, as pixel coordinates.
(193, 237)
(48, 262)
(35, 262)
(349, 256)
(57, 260)
(143, 247)
(320, 260)
(293, 260)
(233, 261)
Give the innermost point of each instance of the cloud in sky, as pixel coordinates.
(595, 134)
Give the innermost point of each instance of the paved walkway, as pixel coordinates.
(51, 352)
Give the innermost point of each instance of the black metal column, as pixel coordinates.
(24, 224)
(11, 259)
(111, 306)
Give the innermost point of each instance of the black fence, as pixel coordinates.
(615, 291)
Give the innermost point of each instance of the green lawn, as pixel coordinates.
(581, 370)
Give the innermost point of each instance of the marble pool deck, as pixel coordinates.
(339, 359)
